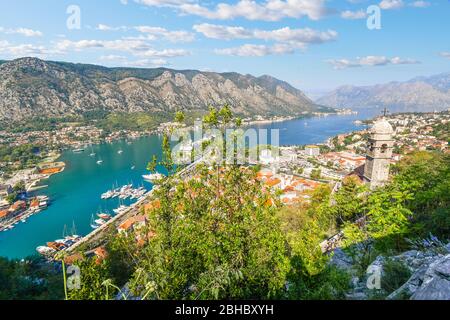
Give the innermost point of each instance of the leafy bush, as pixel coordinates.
(395, 274)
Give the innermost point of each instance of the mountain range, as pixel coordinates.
(418, 94)
(31, 87)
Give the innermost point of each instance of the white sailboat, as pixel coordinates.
(92, 154)
(152, 177)
(94, 225)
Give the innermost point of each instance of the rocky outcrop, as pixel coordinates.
(435, 281)
(31, 87)
(429, 280)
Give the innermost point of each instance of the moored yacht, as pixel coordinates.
(152, 177)
(104, 216)
(120, 209)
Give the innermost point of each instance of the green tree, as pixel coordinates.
(93, 277)
(316, 174)
(211, 246)
(179, 117)
(349, 200)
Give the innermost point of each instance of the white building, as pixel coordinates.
(312, 150)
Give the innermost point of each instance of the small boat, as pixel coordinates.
(93, 224)
(107, 195)
(120, 209)
(44, 250)
(152, 177)
(78, 150)
(104, 216)
(99, 161)
(120, 151)
(100, 222)
(133, 167)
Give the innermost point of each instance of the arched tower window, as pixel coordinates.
(384, 148)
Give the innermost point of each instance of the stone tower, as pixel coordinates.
(379, 153)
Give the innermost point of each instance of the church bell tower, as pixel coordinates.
(379, 154)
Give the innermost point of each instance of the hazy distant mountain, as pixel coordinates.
(419, 94)
(32, 87)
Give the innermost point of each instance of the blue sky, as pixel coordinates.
(316, 45)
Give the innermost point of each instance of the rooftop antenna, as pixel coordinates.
(385, 112)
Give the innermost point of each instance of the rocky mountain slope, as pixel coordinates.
(32, 87)
(429, 277)
(418, 94)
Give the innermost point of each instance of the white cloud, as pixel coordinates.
(268, 10)
(303, 36)
(113, 57)
(124, 61)
(104, 27)
(369, 61)
(163, 3)
(166, 53)
(135, 47)
(25, 50)
(391, 4)
(252, 50)
(173, 36)
(153, 33)
(445, 54)
(223, 32)
(22, 31)
(286, 40)
(353, 15)
(420, 4)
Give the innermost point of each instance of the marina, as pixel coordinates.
(36, 205)
(125, 192)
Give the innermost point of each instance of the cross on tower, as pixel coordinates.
(385, 112)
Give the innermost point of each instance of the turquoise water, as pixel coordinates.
(75, 193)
